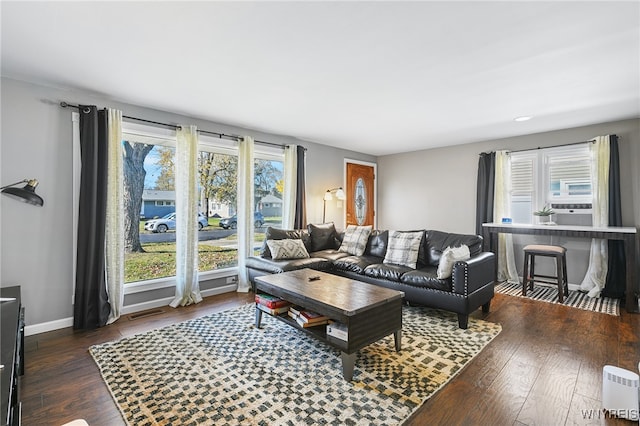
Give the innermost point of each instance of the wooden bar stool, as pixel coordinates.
(529, 275)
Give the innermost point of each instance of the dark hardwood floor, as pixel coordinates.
(545, 368)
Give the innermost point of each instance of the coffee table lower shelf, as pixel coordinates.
(347, 354)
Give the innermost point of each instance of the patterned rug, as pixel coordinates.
(576, 299)
(220, 369)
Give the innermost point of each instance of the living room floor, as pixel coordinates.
(544, 368)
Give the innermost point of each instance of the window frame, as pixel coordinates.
(142, 133)
(541, 179)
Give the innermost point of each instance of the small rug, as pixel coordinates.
(576, 299)
(220, 369)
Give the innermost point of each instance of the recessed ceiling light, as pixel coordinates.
(523, 118)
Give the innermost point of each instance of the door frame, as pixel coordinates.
(375, 188)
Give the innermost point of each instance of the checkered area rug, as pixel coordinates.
(221, 370)
(576, 299)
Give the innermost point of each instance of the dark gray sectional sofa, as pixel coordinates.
(469, 287)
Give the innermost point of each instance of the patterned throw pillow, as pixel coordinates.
(287, 249)
(355, 239)
(449, 257)
(403, 248)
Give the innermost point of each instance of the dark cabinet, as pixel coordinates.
(11, 353)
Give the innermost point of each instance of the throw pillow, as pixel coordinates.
(287, 249)
(403, 248)
(322, 236)
(355, 239)
(449, 257)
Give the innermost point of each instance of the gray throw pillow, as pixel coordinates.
(355, 239)
(287, 249)
(403, 248)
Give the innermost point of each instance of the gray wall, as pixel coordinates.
(36, 243)
(436, 188)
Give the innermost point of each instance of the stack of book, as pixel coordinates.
(338, 330)
(271, 304)
(311, 319)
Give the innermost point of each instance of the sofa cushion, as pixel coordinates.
(386, 271)
(438, 241)
(329, 254)
(281, 234)
(270, 266)
(287, 249)
(355, 264)
(449, 257)
(322, 236)
(427, 278)
(355, 239)
(377, 244)
(403, 248)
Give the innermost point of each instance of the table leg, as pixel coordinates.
(258, 317)
(397, 337)
(348, 364)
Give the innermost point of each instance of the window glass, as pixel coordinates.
(149, 204)
(268, 196)
(217, 185)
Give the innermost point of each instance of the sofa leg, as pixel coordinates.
(463, 321)
(486, 307)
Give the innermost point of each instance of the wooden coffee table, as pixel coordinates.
(370, 312)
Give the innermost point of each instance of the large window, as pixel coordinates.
(150, 242)
(556, 177)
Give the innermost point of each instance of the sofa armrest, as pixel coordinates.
(477, 272)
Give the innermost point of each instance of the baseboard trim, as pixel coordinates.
(44, 327)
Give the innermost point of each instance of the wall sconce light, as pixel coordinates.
(340, 195)
(27, 194)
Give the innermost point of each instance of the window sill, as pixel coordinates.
(159, 283)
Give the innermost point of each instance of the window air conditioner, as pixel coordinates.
(571, 208)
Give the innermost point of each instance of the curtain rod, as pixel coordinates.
(175, 126)
(545, 147)
(554, 146)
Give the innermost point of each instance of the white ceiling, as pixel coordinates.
(374, 77)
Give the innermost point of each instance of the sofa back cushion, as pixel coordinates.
(323, 236)
(377, 244)
(283, 234)
(437, 241)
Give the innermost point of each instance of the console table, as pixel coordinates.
(626, 234)
(11, 354)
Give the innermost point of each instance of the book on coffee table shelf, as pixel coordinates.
(338, 330)
(311, 317)
(294, 311)
(271, 301)
(304, 324)
(272, 311)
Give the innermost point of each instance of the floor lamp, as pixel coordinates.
(27, 194)
(328, 197)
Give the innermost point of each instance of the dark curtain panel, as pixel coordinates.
(484, 200)
(300, 218)
(616, 273)
(91, 308)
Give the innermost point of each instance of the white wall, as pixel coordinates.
(36, 243)
(436, 188)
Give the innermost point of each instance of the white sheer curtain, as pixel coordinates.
(245, 210)
(596, 275)
(290, 182)
(186, 163)
(114, 226)
(507, 270)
